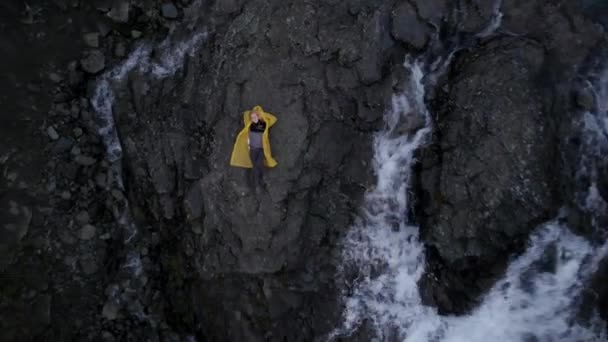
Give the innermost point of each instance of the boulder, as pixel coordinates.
(494, 181)
(91, 39)
(169, 11)
(585, 99)
(84, 160)
(82, 218)
(93, 62)
(408, 27)
(432, 11)
(52, 133)
(120, 11)
(87, 232)
(110, 310)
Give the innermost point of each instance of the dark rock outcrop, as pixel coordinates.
(492, 181)
(408, 27)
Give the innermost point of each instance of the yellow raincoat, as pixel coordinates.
(240, 153)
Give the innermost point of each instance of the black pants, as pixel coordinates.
(257, 158)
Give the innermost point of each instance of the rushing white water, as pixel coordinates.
(529, 304)
(532, 302)
(381, 244)
(141, 60)
(595, 146)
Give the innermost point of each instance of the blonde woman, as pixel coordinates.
(252, 146)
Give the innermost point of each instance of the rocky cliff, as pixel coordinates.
(504, 151)
(123, 221)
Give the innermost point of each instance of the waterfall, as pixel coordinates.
(125, 291)
(594, 147)
(381, 244)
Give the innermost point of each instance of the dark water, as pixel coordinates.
(597, 9)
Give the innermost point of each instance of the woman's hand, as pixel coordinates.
(270, 119)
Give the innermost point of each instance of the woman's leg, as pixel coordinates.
(257, 158)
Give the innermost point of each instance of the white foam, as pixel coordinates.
(495, 21)
(594, 149)
(139, 57)
(102, 102)
(172, 58)
(531, 302)
(601, 93)
(134, 264)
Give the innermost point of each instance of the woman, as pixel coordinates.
(252, 146)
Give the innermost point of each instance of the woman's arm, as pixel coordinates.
(270, 119)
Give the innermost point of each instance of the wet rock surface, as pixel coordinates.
(496, 167)
(167, 242)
